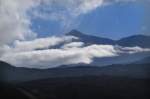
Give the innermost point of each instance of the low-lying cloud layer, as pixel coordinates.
(25, 54)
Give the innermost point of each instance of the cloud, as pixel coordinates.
(66, 11)
(24, 53)
(131, 50)
(55, 57)
(38, 44)
(73, 45)
(4, 49)
(42, 43)
(14, 21)
(70, 7)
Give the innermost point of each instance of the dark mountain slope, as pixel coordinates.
(16, 74)
(89, 87)
(88, 39)
(146, 60)
(132, 41)
(137, 40)
(81, 82)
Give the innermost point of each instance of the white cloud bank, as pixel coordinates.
(56, 57)
(24, 53)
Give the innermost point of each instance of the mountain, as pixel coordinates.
(89, 39)
(121, 59)
(136, 40)
(132, 41)
(13, 74)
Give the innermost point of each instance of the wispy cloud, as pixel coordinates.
(16, 15)
(66, 11)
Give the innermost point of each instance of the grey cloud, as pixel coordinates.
(14, 21)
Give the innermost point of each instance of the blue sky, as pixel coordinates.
(113, 21)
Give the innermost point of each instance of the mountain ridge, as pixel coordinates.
(130, 41)
(90, 39)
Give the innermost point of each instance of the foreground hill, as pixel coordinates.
(89, 87)
(16, 74)
(145, 60)
(130, 81)
(85, 87)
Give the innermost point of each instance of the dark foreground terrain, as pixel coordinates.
(86, 87)
(129, 81)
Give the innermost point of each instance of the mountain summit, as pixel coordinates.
(75, 33)
(131, 41)
(89, 39)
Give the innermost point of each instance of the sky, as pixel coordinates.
(31, 29)
(28, 19)
(116, 20)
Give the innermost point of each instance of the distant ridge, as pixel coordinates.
(136, 40)
(89, 39)
(131, 41)
(75, 33)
